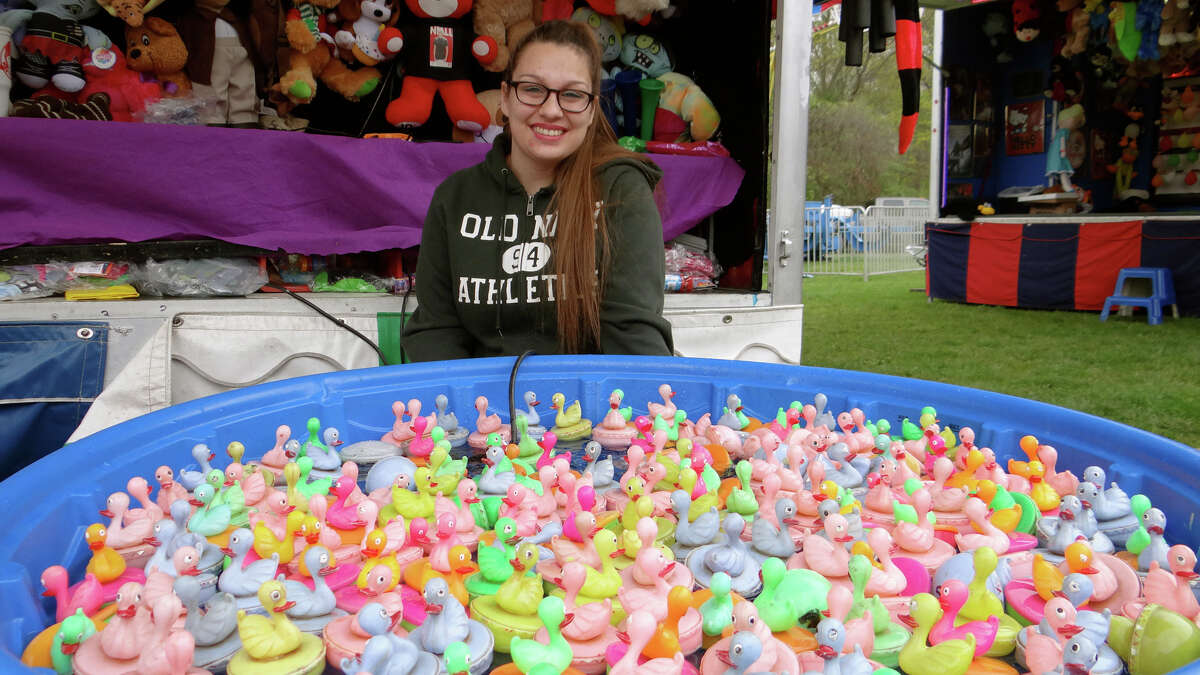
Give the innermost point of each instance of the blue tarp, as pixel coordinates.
(49, 374)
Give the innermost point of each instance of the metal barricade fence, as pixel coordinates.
(852, 240)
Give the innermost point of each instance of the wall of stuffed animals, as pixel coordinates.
(1099, 96)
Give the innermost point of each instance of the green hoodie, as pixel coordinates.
(485, 274)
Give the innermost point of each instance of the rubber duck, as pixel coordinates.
(446, 471)
(651, 588)
(600, 470)
(614, 431)
(730, 556)
(774, 540)
(487, 424)
(569, 423)
(945, 498)
(212, 625)
(951, 596)
(72, 632)
(239, 578)
(640, 627)
(511, 611)
(741, 500)
(319, 601)
(859, 631)
(251, 481)
(733, 414)
(826, 555)
(839, 657)
(1156, 548)
(520, 593)
(1080, 655)
(419, 504)
(139, 489)
(690, 533)
(1044, 643)
(106, 564)
(494, 559)
(592, 621)
(1113, 582)
(266, 543)
(1171, 589)
(527, 653)
(787, 595)
(324, 452)
(717, 611)
(456, 435)
(988, 536)
(191, 478)
(275, 458)
(1042, 494)
(887, 580)
(274, 637)
(665, 642)
(498, 476)
(87, 596)
(121, 535)
(951, 657)
(209, 519)
(1113, 503)
(744, 650)
(605, 582)
(532, 417)
(518, 506)
(230, 495)
(916, 537)
(666, 408)
(838, 468)
(121, 640)
(168, 489)
(422, 443)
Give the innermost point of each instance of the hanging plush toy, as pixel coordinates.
(609, 32)
(55, 43)
(1025, 20)
(438, 44)
(882, 19)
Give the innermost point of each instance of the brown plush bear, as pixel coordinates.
(505, 22)
(310, 57)
(155, 47)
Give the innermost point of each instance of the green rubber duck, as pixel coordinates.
(495, 564)
(530, 654)
(982, 603)
(235, 450)
(788, 596)
(527, 445)
(910, 431)
(458, 658)
(71, 633)
(307, 487)
(890, 637)
(627, 411)
(446, 472)
(229, 495)
(314, 437)
(741, 501)
(716, 614)
(1140, 539)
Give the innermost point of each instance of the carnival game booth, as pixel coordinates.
(1073, 128)
(122, 197)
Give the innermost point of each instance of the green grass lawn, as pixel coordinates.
(1123, 369)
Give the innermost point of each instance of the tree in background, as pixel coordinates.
(852, 121)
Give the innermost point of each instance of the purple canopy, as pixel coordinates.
(76, 181)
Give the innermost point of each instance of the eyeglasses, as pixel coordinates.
(534, 94)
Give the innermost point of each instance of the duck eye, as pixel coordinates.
(379, 579)
(137, 598)
(737, 649)
(1075, 647)
(750, 621)
(102, 532)
(118, 598)
(441, 592)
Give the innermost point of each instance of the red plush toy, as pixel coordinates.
(438, 44)
(106, 71)
(1025, 19)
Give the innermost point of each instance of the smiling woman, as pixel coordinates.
(554, 242)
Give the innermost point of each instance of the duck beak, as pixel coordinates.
(433, 609)
(229, 482)
(516, 564)
(227, 551)
(826, 652)
(666, 571)
(908, 620)
(49, 593)
(396, 618)
(623, 636)
(285, 606)
(826, 613)
(167, 484)
(1154, 529)
(1088, 570)
(1060, 594)
(327, 570)
(1070, 630)
(69, 648)
(152, 541)
(288, 509)
(127, 612)
(566, 621)
(192, 571)
(106, 513)
(723, 656)
(96, 545)
(618, 552)
(1186, 574)
(466, 569)
(195, 502)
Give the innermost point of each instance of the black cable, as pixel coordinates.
(512, 391)
(404, 313)
(334, 319)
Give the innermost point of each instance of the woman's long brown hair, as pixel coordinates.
(580, 279)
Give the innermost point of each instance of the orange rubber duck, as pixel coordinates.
(1018, 468)
(966, 477)
(665, 641)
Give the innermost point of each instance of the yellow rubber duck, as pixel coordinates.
(951, 657)
(405, 502)
(1046, 578)
(296, 498)
(521, 593)
(310, 530)
(603, 583)
(569, 424)
(265, 542)
(631, 541)
(700, 505)
(1005, 519)
(966, 478)
(634, 489)
(1018, 468)
(106, 563)
(271, 636)
(1039, 490)
(445, 472)
(373, 555)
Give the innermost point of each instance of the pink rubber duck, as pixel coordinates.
(826, 555)
(890, 581)
(575, 545)
(952, 595)
(118, 646)
(776, 656)
(1043, 653)
(634, 457)
(277, 457)
(860, 631)
(988, 535)
(916, 540)
(121, 535)
(640, 628)
(420, 445)
(546, 504)
(468, 532)
(274, 515)
(547, 443)
(159, 584)
(808, 502)
(667, 407)
(946, 499)
(518, 506)
(447, 538)
(591, 631)
(139, 489)
(761, 468)
(254, 487)
(1063, 482)
(168, 490)
(566, 482)
(792, 476)
(650, 592)
(87, 596)
(1171, 589)
(168, 651)
(418, 535)
(342, 515)
(486, 424)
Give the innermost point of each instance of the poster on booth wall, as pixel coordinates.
(960, 158)
(1025, 128)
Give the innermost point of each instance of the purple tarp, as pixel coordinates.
(74, 182)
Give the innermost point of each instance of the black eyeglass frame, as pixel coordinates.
(515, 86)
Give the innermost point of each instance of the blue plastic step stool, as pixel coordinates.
(1149, 287)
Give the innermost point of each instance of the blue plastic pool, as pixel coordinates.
(48, 505)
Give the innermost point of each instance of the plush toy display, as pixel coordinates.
(1064, 84)
(646, 54)
(609, 32)
(438, 45)
(372, 36)
(132, 12)
(1078, 24)
(490, 99)
(1176, 22)
(156, 48)
(312, 55)
(108, 72)
(224, 65)
(55, 42)
(1026, 15)
(499, 24)
(1058, 163)
(1148, 21)
(684, 112)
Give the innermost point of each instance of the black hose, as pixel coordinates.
(512, 391)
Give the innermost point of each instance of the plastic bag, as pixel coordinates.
(22, 282)
(363, 283)
(200, 277)
(684, 261)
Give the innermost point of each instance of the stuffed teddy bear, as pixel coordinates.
(1176, 22)
(132, 12)
(490, 99)
(156, 48)
(1078, 27)
(501, 23)
(438, 46)
(55, 43)
(372, 37)
(108, 72)
(313, 55)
